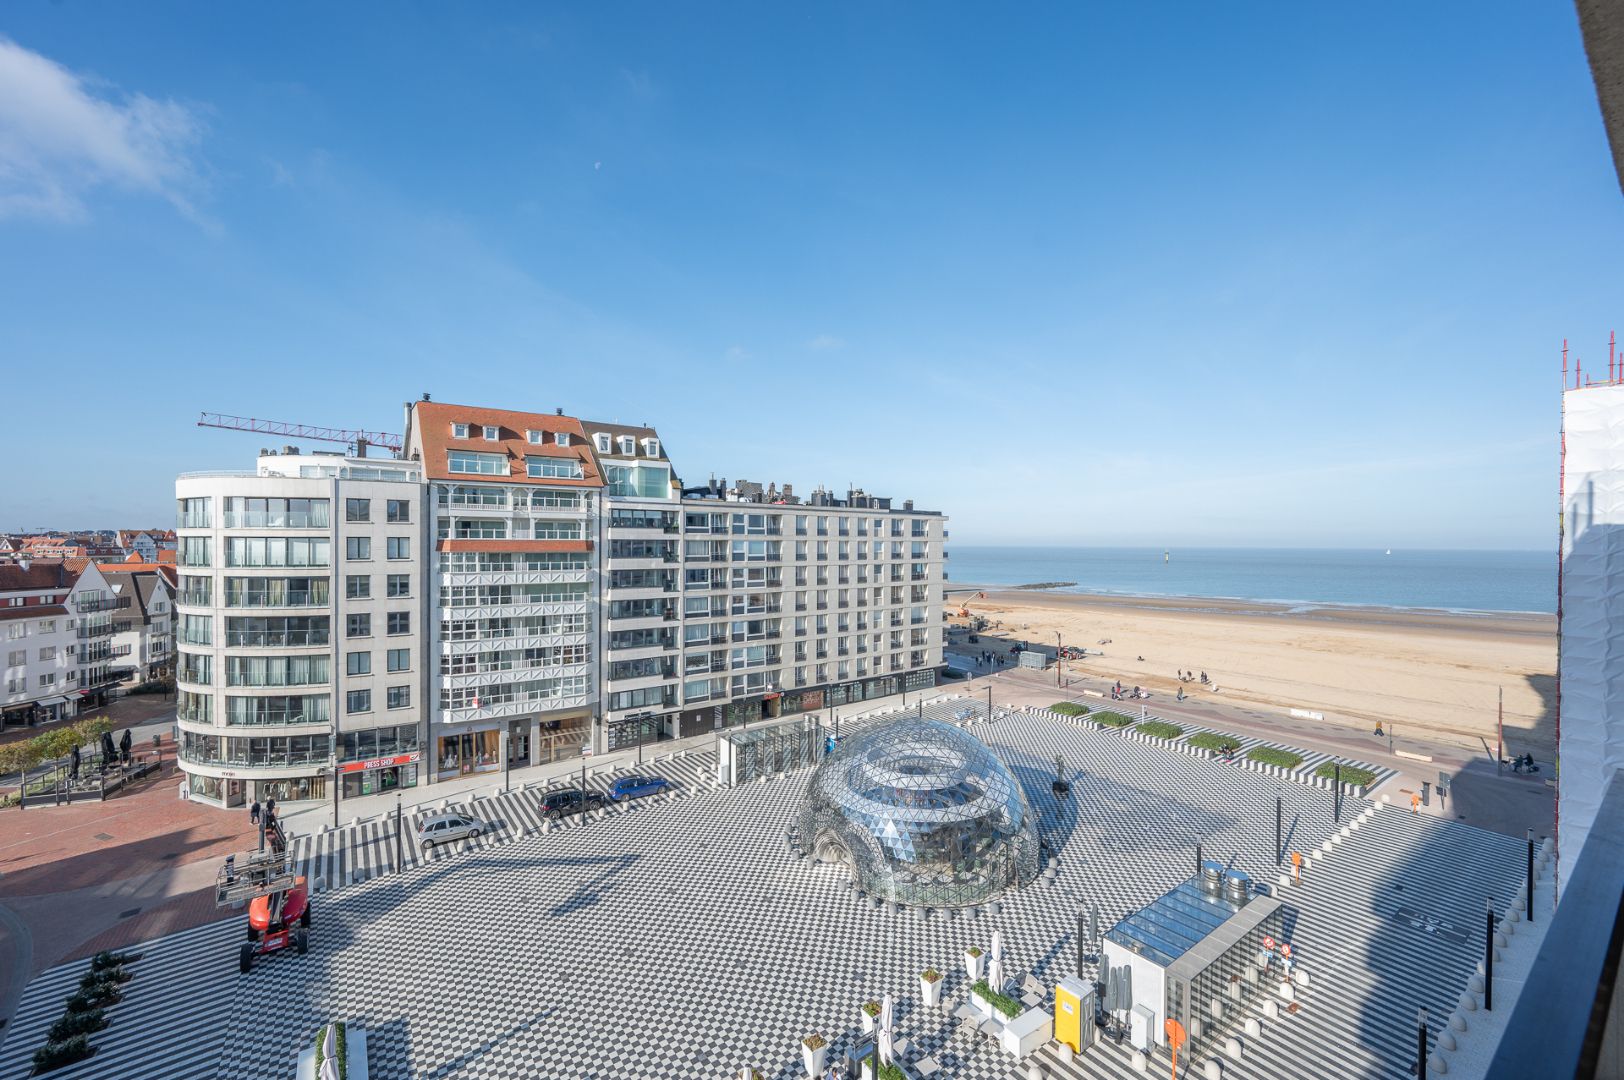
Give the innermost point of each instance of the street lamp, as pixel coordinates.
(1058, 648)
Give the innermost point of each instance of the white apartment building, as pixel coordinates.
(300, 628)
(143, 627)
(512, 502)
(558, 593)
(56, 628)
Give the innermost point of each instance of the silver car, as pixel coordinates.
(444, 828)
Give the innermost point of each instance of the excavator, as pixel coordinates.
(278, 899)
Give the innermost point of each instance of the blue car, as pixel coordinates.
(633, 787)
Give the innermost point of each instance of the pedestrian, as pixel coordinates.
(270, 810)
(253, 813)
(1415, 803)
(73, 772)
(124, 745)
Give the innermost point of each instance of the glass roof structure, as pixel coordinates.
(1178, 920)
(920, 812)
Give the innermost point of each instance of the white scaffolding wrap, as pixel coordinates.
(1592, 669)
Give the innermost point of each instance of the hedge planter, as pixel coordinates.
(870, 1012)
(815, 1055)
(930, 988)
(974, 963)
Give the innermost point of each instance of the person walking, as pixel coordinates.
(124, 745)
(1415, 803)
(253, 813)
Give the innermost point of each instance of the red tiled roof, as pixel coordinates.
(433, 420)
(40, 575)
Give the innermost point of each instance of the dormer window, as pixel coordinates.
(492, 433)
(561, 438)
(535, 437)
(628, 445)
(459, 431)
(601, 440)
(651, 447)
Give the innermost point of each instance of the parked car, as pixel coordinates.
(444, 828)
(559, 803)
(635, 787)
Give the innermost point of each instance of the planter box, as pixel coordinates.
(930, 992)
(869, 1022)
(1026, 1032)
(355, 1053)
(815, 1060)
(975, 966)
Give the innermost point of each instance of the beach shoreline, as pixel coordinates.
(1424, 670)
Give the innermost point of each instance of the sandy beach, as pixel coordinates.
(1436, 671)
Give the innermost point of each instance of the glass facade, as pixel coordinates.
(920, 812)
(476, 751)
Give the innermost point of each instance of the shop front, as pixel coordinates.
(470, 752)
(380, 776)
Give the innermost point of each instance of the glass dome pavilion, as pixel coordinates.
(920, 812)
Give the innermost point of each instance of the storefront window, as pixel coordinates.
(294, 790)
(206, 787)
(379, 781)
(476, 751)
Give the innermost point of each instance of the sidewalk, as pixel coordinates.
(310, 817)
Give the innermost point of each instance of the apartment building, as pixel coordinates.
(143, 622)
(512, 500)
(56, 628)
(299, 626)
(558, 592)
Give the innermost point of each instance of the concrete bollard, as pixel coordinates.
(1271, 1010)
(1301, 978)
(1285, 881)
(1467, 1003)
(1034, 1071)
(1436, 1064)
(1212, 1070)
(1475, 984)
(1140, 1062)
(1216, 1008)
(1232, 1048)
(1253, 1027)
(1446, 1040)
(1286, 992)
(1458, 1022)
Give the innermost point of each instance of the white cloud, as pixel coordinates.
(61, 136)
(826, 341)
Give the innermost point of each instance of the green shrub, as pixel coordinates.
(1351, 774)
(1111, 719)
(95, 996)
(1269, 755)
(91, 980)
(1002, 1002)
(891, 1071)
(106, 959)
(76, 1023)
(1156, 729)
(1215, 741)
(1069, 708)
(54, 1055)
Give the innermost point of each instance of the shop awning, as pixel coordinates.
(48, 702)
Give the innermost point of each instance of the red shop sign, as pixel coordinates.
(382, 763)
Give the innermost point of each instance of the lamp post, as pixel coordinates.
(989, 702)
(1057, 651)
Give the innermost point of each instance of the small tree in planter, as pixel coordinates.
(871, 1015)
(814, 1054)
(930, 987)
(974, 960)
(54, 1055)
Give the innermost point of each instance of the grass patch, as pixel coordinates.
(1351, 774)
(1269, 755)
(1111, 719)
(1212, 740)
(1069, 708)
(1156, 729)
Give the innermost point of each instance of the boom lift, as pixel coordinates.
(278, 899)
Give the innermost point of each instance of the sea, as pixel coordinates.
(1457, 581)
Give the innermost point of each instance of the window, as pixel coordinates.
(535, 437)
(197, 629)
(358, 626)
(47, 680)
(398, 511)
(48, 653)
(399, 547)
(459, 431)
(194, 551)
(357, 509)
(400, 622)
(400, 697)
(47, 626)
(357, 701)
(16, 630)
(399, 585)
(466, 461)
(358, 586)
(358, 548)
(276, 551)
(400, 659)
(601, 439)
(492, 433)
(556, 468)
(358, 663)
(192, 513)
(17, 658)
(561, 438)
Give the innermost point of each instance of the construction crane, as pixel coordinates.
(355, 438)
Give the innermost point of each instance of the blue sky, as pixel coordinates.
(1160, 274)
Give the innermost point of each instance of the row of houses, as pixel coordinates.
(151, 545)
(73, 629)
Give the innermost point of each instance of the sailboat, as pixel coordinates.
(1389, 551)
(1167, 556)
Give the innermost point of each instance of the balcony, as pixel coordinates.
(108, 603)
(100, 630)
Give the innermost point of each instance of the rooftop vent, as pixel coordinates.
(1238, 887)
(1212, 878)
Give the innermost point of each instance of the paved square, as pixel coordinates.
(684, 939)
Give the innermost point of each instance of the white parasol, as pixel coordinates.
(329, 1053)
(995, 967)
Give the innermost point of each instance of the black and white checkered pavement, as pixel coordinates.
(684, 939)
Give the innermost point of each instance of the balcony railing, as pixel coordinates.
(105, 603)
(96, 631)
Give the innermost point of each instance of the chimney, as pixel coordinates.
(360, 448)
(560, 411)
(426, 396)
(907, 504)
